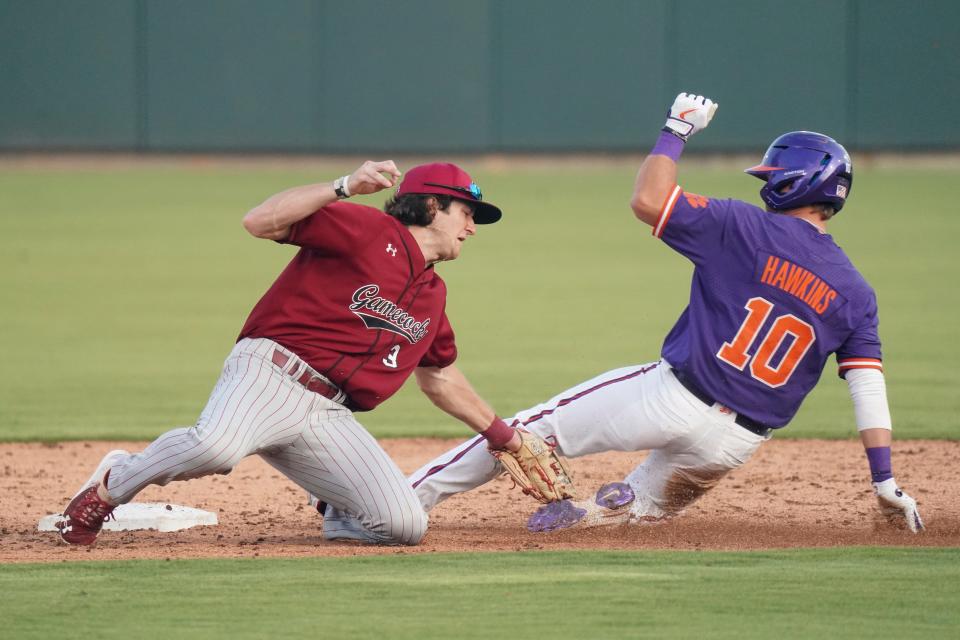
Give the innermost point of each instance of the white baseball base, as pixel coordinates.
(158, 516)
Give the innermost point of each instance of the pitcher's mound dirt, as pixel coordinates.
(791, 494)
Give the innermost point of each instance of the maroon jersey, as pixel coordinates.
(358, 303)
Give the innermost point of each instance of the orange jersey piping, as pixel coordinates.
(665, 212)
(859, 363)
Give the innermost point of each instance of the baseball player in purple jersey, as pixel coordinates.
(356, 311)
(772, 297)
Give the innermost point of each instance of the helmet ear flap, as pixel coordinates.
(779, 190)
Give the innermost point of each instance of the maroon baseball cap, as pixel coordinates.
(443, 178)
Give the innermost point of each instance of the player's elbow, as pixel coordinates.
(433, 391)
(645, 208)
(251, 223)
(431, 383)
(257, 224)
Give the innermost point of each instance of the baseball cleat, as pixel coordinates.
(614, 495)
(609, 506)
(84, 516)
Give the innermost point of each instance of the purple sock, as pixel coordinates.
(880, 466)
(668, 145)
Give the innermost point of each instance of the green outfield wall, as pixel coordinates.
(357, 76)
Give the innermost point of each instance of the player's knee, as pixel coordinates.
(409, 528)
(422, 522)
(686, 486)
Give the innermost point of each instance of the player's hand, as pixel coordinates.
(897, 507)
(537, 469)
(690, 113)
(372, 177)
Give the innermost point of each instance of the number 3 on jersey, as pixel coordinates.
(391, 358)
(735, 353)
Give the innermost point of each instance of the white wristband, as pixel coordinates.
(341, 188)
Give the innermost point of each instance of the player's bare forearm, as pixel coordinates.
(657, 177)
(450, 390)
(876, 438)
(273, 218)
(655, 180)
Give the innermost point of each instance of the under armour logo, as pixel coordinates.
(392, 250)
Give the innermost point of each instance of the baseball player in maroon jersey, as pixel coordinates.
(772, 297)
(355, 312)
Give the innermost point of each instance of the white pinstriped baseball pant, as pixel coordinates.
(637, 408)
(257, 408)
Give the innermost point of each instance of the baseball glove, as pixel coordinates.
(537, 469)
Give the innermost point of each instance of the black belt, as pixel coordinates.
(742, 420)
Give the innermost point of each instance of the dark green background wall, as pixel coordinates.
(486, 75)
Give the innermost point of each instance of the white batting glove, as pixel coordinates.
(689, 114)
(897, 506)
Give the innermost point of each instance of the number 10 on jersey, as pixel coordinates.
(786, 326)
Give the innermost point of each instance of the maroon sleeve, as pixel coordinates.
(338, 228)
(443, 350)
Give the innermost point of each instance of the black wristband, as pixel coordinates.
(675, 133)
(338, 187)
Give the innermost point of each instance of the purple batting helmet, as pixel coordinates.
(802, 168)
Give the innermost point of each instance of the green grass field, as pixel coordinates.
(826, 593)
(123, 291)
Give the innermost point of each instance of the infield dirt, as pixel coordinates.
(793, 493)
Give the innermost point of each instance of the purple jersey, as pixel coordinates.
(771, 299)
